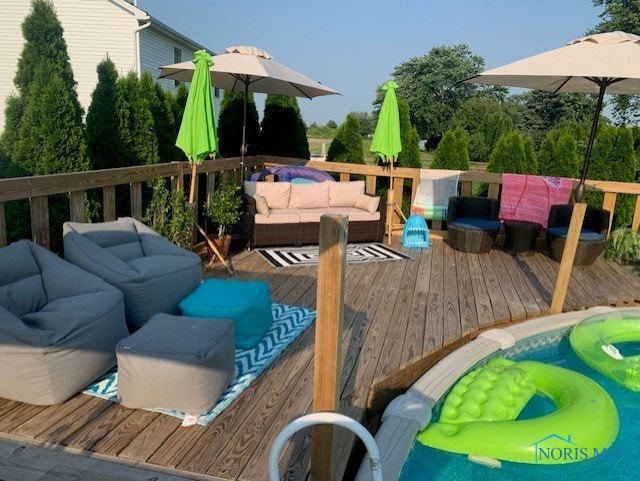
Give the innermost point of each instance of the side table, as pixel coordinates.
(521, 235)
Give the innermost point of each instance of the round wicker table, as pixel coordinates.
(521, 235)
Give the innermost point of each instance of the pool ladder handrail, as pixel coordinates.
(324, 418)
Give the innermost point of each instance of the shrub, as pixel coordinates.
(530, 159)
(347, 145)
(224, 207)
(410, 154)
(169, 215)
(283, 131)
(452, 151)
(623, 246)
(230, 125)
(508, 155)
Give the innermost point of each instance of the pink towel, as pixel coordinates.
(529, 197)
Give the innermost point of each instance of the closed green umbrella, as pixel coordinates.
(386, 139)
(386, 143)
(197, 135)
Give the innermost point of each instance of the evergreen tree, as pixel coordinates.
(164, 123)
(530, 159)
(600, 162)
(182, 93)
(508, 155)
(347, 145)
(136, 126)
(452, 151)
(558, 155)
(283, 131)
(623, 169)
(104, 145)
(230, 125)
(44, 133)
(410, 155)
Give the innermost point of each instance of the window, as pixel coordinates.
(216, 92)
(177, 58)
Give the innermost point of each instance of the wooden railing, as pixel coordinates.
(75, 185)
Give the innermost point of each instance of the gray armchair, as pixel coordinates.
(58, 325)
(153, 273)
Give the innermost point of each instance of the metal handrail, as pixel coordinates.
(324, 418)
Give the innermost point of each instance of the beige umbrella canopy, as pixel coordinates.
(250, 69)
(594, 64)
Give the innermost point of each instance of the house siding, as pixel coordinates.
(93, 30)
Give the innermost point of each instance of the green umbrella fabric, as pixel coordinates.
(197, 135)
(386, 139)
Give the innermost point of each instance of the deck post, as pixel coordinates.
(568, 255)
(328, 357)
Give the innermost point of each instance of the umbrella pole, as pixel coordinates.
(580, 190)
(243, 147)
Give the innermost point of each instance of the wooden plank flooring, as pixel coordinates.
(399, 318)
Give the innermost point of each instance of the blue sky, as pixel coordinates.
(353, 45)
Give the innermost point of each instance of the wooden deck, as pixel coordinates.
(399, 318)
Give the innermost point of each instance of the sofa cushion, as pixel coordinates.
(345, 194)
(276, 193)
(279, 216)
(309, 196)
(366, 202)
(262, 206)
(354, 214)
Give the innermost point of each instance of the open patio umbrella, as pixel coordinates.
(197, 134)
(606, 62)
(386, 142)
(250, 69)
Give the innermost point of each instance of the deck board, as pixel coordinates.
(397, 315)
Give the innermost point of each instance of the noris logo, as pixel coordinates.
(558, 448)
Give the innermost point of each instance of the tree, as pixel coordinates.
(283, 131)
(164, 122)
(557, 155)
(44, 133)
(332, 124)
(136, 126)
(347, 145)
(367, 123)
(508, 155)
(623, 15)
(452, 151)
(410, 154)
(104, 144)
(230, 125)
(530, 158)
(623, 169)
(429, 84)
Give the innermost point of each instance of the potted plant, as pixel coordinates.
(224, 211)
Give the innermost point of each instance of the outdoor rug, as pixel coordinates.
(308, 256)
(288, 323)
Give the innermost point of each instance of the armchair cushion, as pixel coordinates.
(153, 273)
(52, 348)
(476, 223)
(585, 234)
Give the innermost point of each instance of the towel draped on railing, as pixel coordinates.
(434, 190)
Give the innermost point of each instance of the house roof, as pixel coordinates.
(143, 17)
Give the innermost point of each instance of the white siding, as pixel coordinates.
(156, 50)
(93, 29)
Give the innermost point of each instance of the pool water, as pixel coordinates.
(620, 462)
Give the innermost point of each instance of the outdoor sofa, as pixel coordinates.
(153, 273)
(288, 213)
(59, 325)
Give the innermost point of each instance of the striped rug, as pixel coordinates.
(308, 256)
(288, 323)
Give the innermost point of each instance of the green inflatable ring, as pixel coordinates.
(478, 417)
(593, 341)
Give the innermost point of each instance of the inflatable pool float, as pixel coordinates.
(593, 341)
(479, 416)
(289, 173)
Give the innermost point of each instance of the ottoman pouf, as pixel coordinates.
(248, 303)
(177, 363)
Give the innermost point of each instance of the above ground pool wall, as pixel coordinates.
(411, 412)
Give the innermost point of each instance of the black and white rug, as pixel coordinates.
(308, 256)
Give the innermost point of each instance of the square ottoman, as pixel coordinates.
(248, 303)
(177, 363)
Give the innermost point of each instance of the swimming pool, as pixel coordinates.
(544, 340)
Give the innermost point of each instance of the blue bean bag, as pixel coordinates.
(246, 303)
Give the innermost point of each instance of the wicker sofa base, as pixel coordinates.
(471, 240)
(586, 253)
(309, 233)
